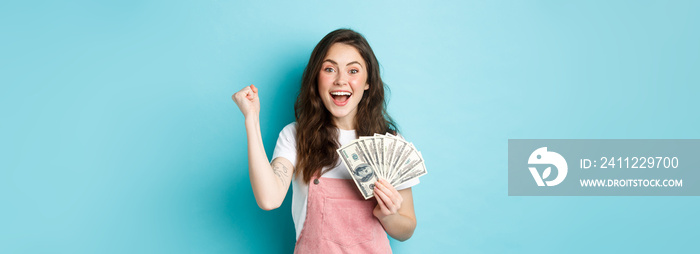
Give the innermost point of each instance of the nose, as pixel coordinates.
(341, 79)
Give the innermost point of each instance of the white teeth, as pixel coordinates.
(340, 93)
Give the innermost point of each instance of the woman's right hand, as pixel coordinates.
(248, 101)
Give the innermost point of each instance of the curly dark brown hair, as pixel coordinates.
(317, 135)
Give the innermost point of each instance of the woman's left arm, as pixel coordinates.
(395, 210)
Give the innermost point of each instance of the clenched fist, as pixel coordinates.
(248, 101)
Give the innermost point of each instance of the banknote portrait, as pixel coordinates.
(364, 173)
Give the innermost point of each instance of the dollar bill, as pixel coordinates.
(411, 167)
(381, 156)
(365, 148)
(361, 171)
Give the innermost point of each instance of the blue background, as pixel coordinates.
(118, 133)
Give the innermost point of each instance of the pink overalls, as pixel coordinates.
(340, 220)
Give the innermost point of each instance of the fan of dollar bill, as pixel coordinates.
(381, 156)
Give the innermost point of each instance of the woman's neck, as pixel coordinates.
(345, 123)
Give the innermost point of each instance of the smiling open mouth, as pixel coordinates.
(341, 98)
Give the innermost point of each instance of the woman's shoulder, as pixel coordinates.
(290, 126)
(289, 130)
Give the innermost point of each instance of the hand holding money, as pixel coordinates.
(381, 156)
(389, 200)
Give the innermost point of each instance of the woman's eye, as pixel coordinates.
(353, 71)
(328, 69)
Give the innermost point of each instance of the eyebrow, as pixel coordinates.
(333, 62)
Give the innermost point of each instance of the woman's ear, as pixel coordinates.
(367, 86)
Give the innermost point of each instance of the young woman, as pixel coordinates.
(341, 98)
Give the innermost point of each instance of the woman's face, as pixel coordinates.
(341, 83)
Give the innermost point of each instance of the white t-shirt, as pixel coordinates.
(287, 147)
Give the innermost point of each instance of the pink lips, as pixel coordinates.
(340, 103)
